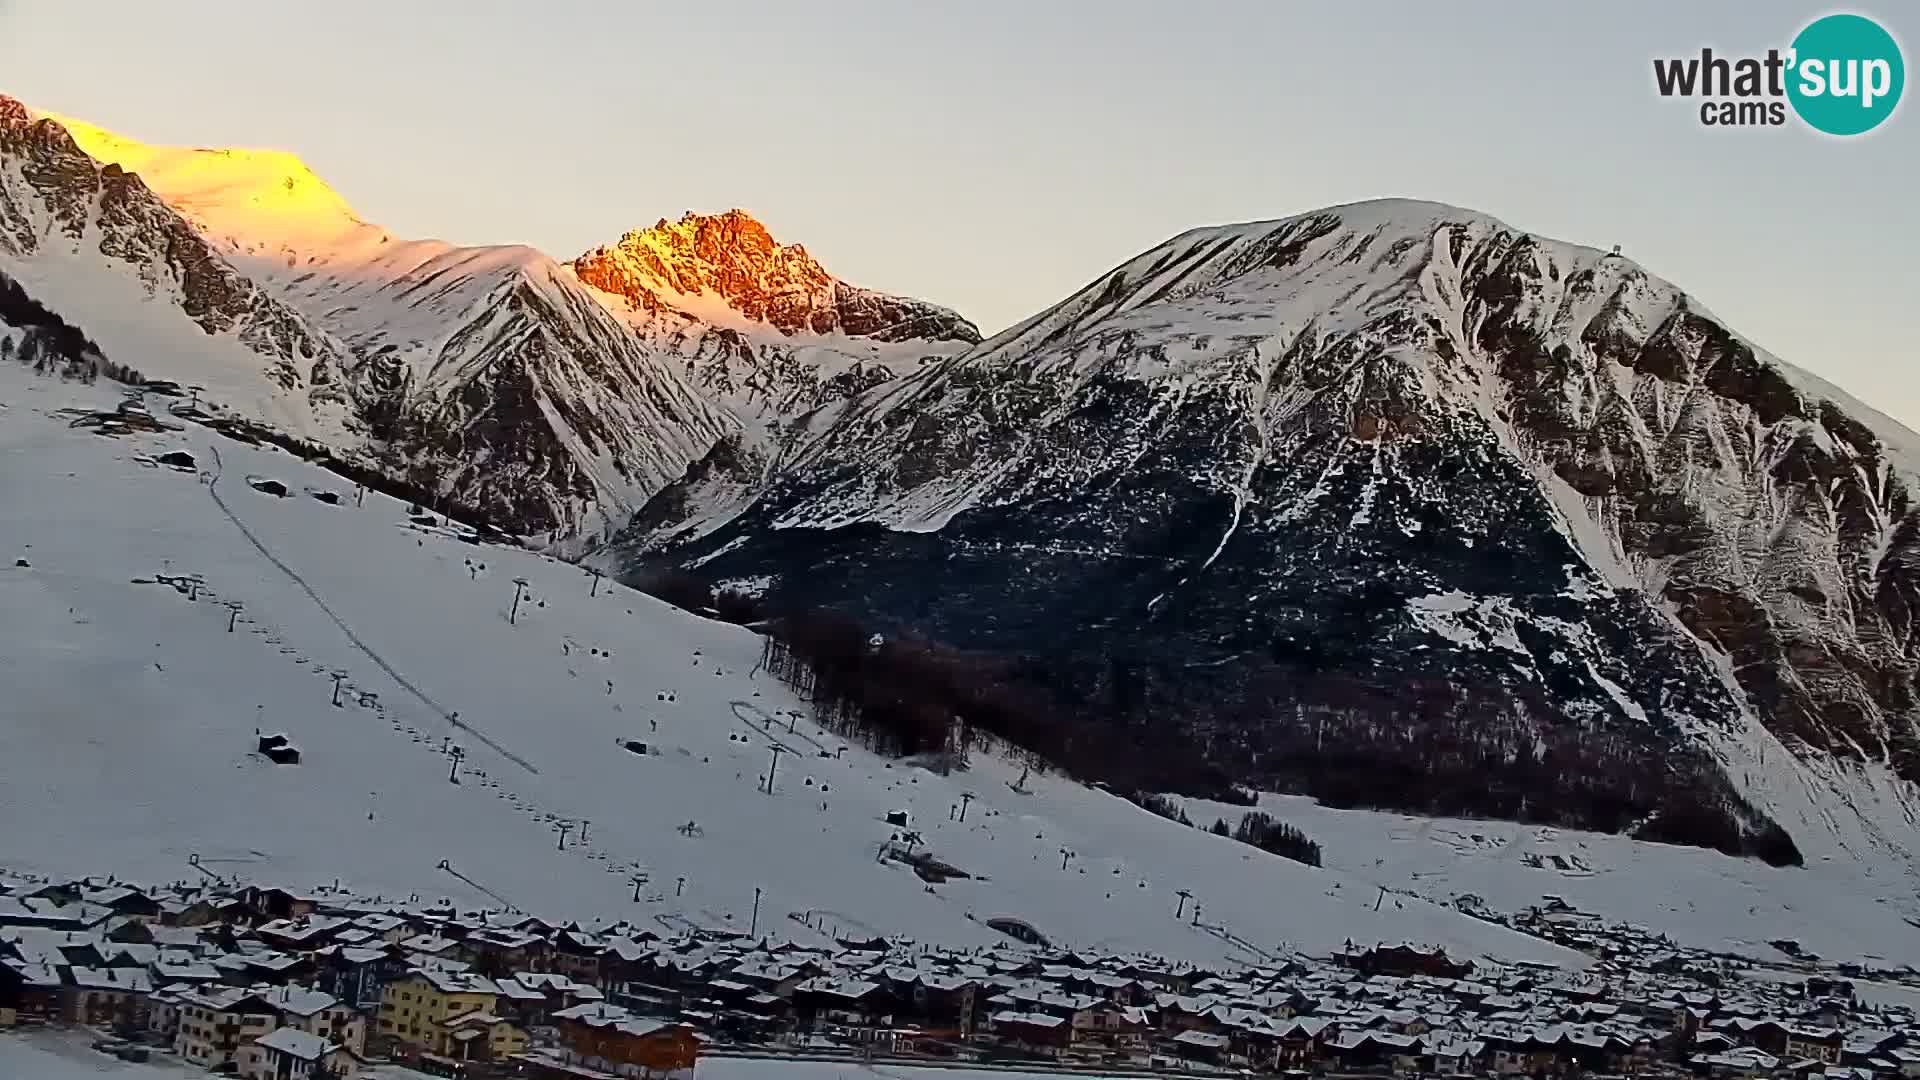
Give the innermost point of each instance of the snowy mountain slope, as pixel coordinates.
(762, 328)
(95, 245)
(553, 398)
(490, 375)
(515, 388)
(1396, 467)
(132, 712)
(1840, 909)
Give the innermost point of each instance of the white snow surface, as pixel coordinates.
(1839, 908)
(131, 713)
(56, 1054)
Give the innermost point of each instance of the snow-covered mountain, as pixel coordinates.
(766, 332)
(171, 605)
(553, 399)
(489, 375)
(131, 714)
(1394, 503)
(1387, 503)
(761, 326)
(94, 244)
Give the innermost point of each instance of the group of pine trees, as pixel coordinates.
(1257, 828)
(1436, 748)
(905, 695)
(1265, 832)
(1444, 753)
(47, 343)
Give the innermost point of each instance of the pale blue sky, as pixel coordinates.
(996, 154)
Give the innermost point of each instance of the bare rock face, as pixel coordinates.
(732, 257)
(1775, 522)
(764, 332)
(1391, 504)
(538, 409)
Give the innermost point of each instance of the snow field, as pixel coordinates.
(131, 709)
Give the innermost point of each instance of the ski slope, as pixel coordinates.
(130, 713)
(1843, 910)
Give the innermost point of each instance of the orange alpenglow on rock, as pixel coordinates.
(728, 264)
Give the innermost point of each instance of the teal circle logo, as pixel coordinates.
(1847, 74)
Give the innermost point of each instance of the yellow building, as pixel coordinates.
(216, 1025)
(478, 1036)
(413, 1007)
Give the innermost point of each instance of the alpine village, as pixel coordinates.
(273, 983)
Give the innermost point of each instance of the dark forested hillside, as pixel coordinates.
(47, 342)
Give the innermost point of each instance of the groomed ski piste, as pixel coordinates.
(168, 614)
(1840, 910)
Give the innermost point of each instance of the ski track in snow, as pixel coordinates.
(213, 489)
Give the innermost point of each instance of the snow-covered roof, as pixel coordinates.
(450, 982)
(297, 1001)
(1027, 1019)
(295, 1043)
(125, 980)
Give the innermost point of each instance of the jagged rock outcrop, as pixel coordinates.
(764, 331)
(731, 257)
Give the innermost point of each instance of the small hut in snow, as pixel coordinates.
(279, 749)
